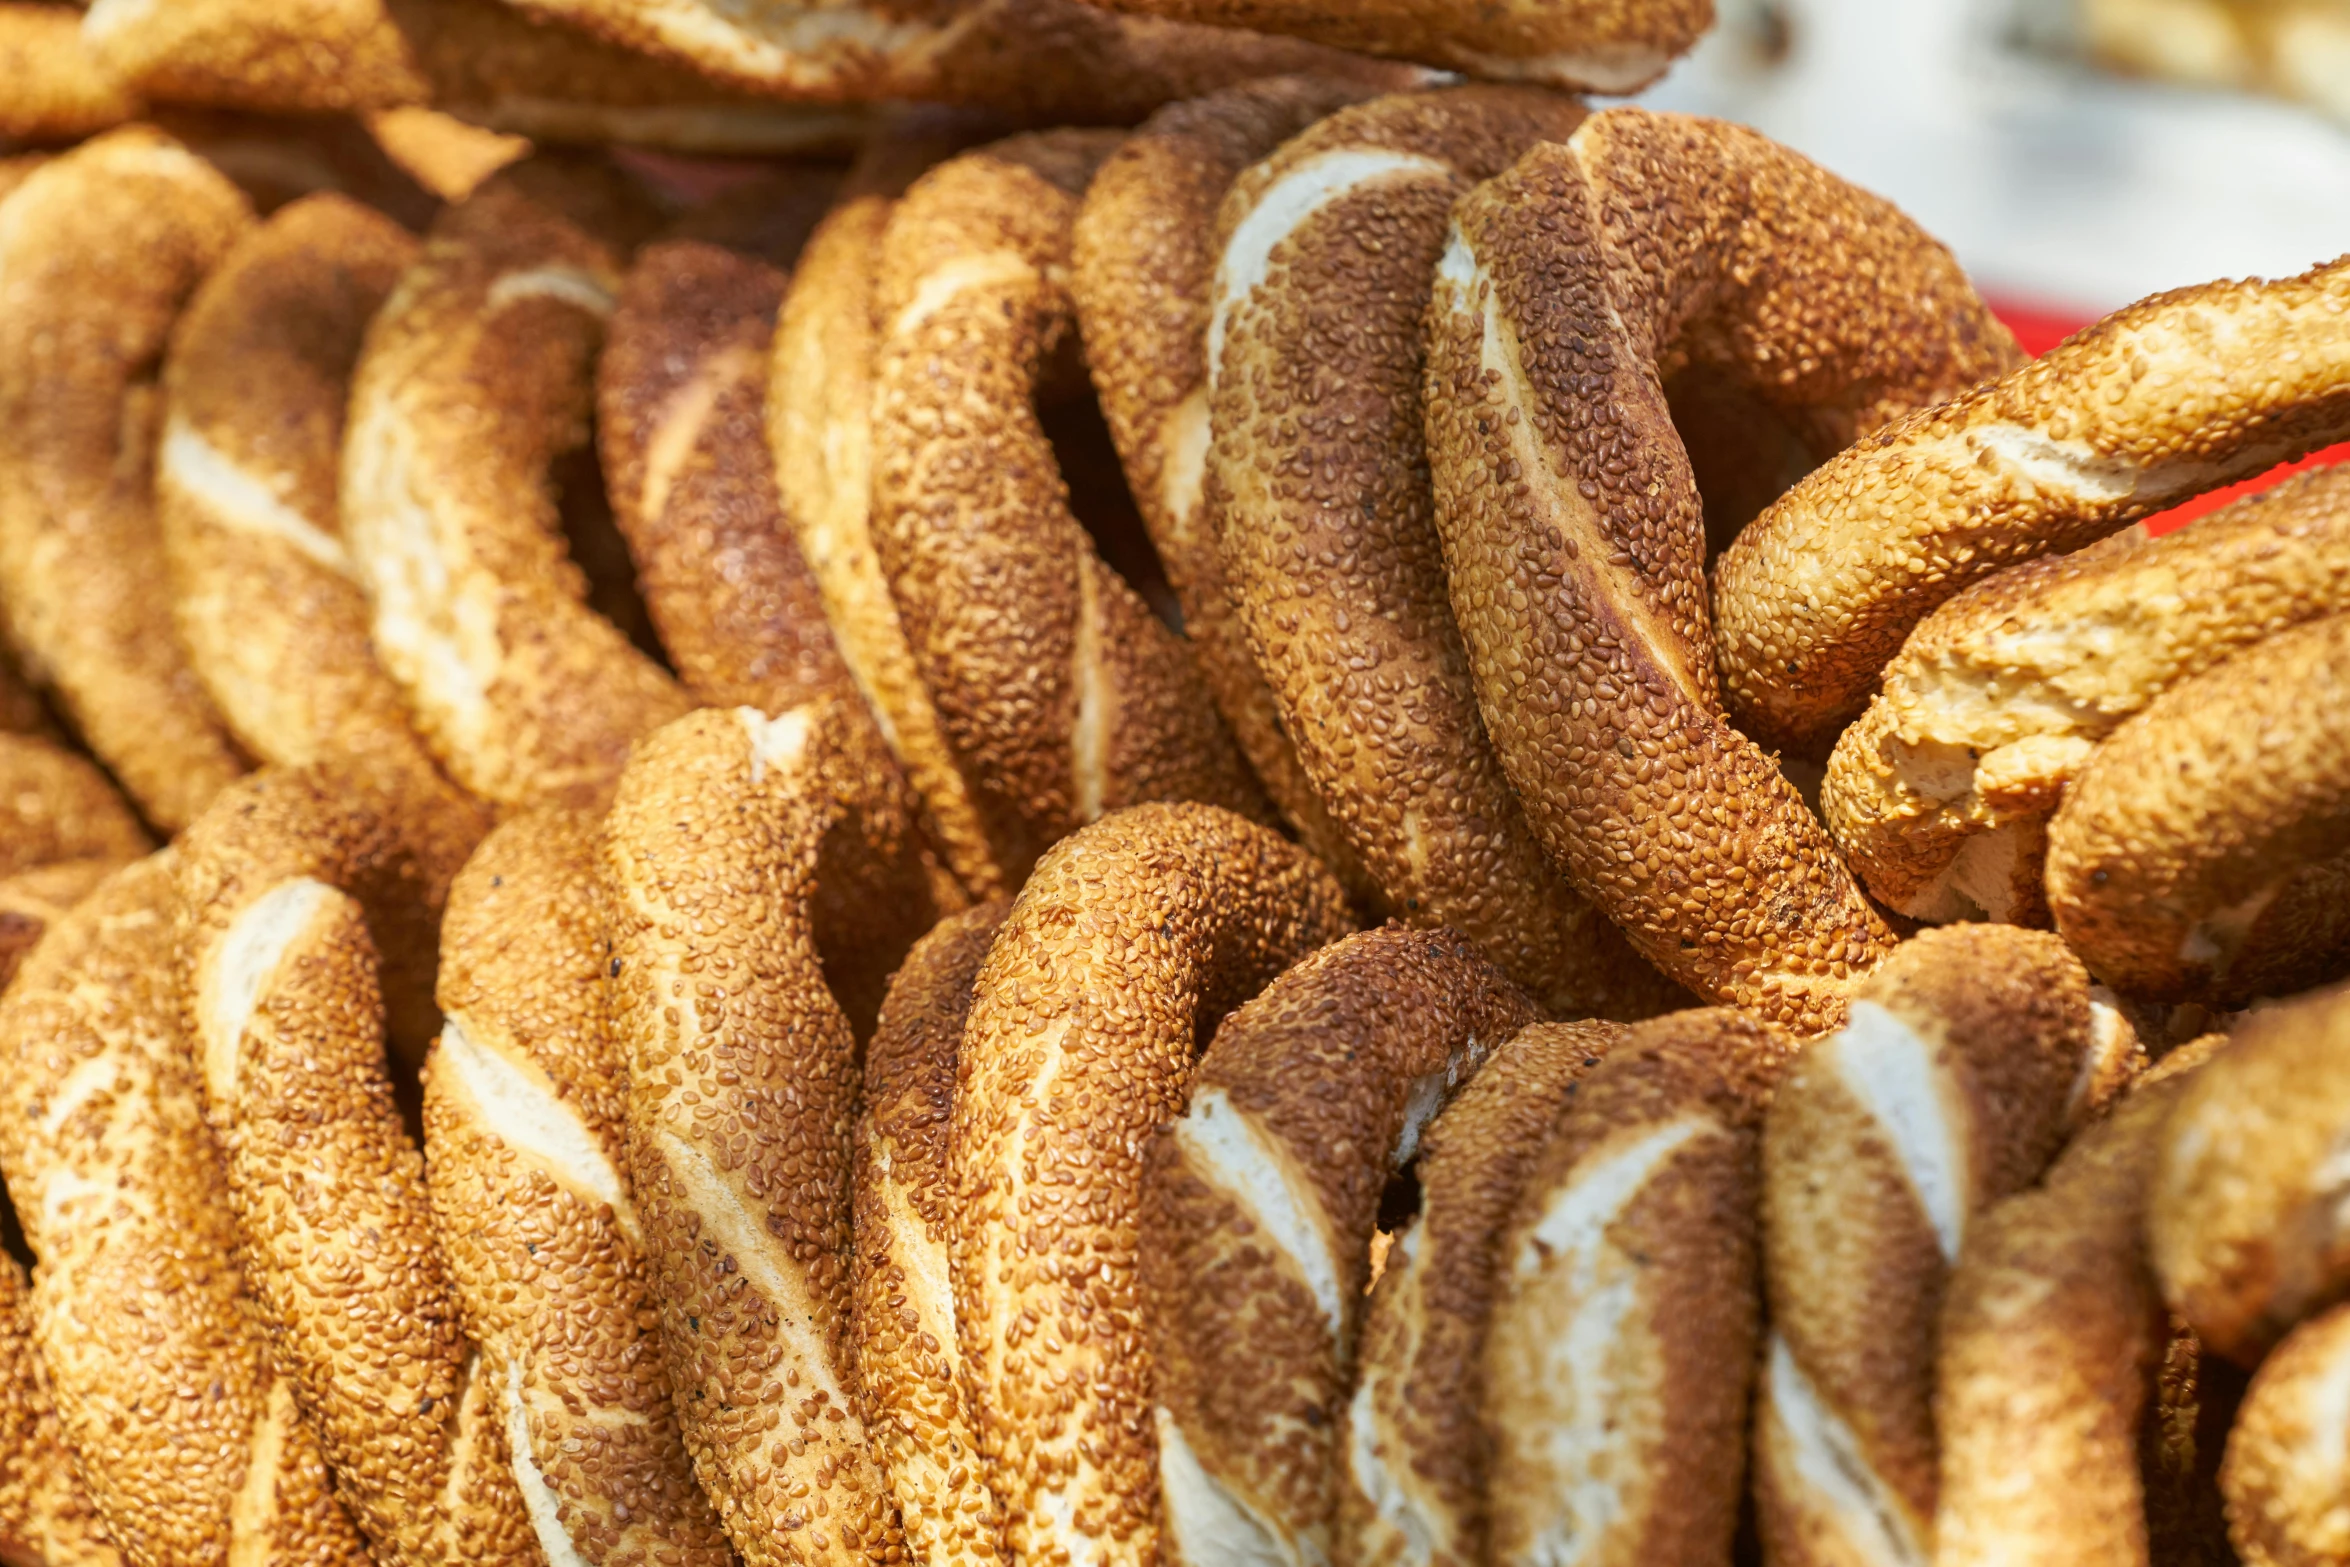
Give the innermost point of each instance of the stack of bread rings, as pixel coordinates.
(1190, 781)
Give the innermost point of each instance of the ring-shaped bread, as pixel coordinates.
(2203, 853)
(2166, 398)
(55, 805)
(57, 91)
(2052, 1332)
(305, 912)
(1259, 1204)
(475, 376)
(2282, 1476)
(45, 1514)
(1969, 1057)
(737, 848)
(1060, 695)
(138, 1297)
(1143, 271)
(1317, 488)
(1572, 529)
(1131, 940)
(264, 592)
(100, 250)
(1940, 794)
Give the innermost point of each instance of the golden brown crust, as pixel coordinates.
(441, 152)
(1258, 1208)
(1999, 696)
(908, 1355)
(45, 1516)
(302, 906)
(2198, 855)
(55, 805)
(1970, 1055)
(2174, 395)
(163, 1382)
(57, 90)
(1133, 937)
(1143, 271)
(474, 378)
(32, 901)
(1060, 695)
(742, 1097)
(264, 590)
(1317, 485)
(524, 1134)
(2282, 1474)
(101, 249)
(1573, 531)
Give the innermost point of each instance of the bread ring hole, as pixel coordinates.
(1098, 495)
(1399, 1206)
(1742, 452)
(599, 549)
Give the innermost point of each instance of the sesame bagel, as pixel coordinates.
(2200, 854)
(474, 378)
(2174, 395)
(187, 1434)
(1318, 488)
(1131, 940)
(1060, 695)
(54, 805)
(32, 901)
(304, 911)
(56, 90)
(45, 1514)
(2052, 1331)
(738, 848)
(2283, 1472)
(1259, 1204)
(908, 1354)
(1940, 795)
(1609, 46)
(1142, 272)
(1626, 1306)
(1572, 528)
(1414, 1455)
(99, 250)
(263, 588)
(1969, 1057)
(2243, 1214)
(523, 1133)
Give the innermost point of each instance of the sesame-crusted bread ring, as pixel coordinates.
(164, 1385)
(2171, 396)
(1259, 1204)
(1318, 490)
(32, 901)
(1143, 273)
(1940, 795)
(1131, 940)
(2244, 1214)
(1061, 696)
(2283, 1472)
(908, 1354)
(57, 91)
(1609, 46)
(1413, 1454)
(474, 378)
(264, 592)
(2204, 851)
(1969, 1057)
(1572, 528)
(1627, 1303)
(304, 913)
(99, 250)
(2052, 1331)
(46, 1516)
(738, 848)
(523, 1135)
(55, 805)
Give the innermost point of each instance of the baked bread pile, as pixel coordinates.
(1219, 802)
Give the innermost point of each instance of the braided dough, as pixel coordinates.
(99, 250)
(2172, 396)
(475, 376)
(738, 843)
(187, 1434)
(302, 906)
(264, 590)
(1970, 1056)
(2204, 851)
(2283, 1473)
(1133, 937)
(1258, 1208)
(523, 1133)
(1317, 484)
(45, 1515)
(54, 805)
(907, 1350)
(1572, 529)
(1940, 795)
(56, 90)
(1060, 695)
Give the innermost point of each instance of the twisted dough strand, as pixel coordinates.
(57, 91)
(45, 1515)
